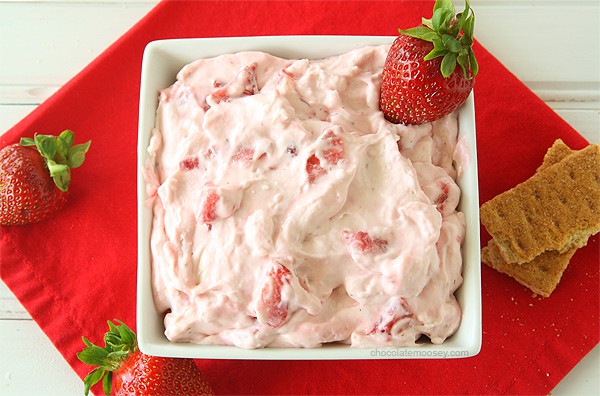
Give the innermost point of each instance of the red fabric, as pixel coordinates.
(78, 269)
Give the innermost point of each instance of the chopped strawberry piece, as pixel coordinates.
(441, 199)
(189, 163)
(251, 86)
(217, 203)
(220, 95)
(244, 84)
(285, 73)
(333, 154)
(314, 168)
(360, 242)
(272, 310)
(209, 207)
(393, 313)
(384, 326)
(444, 195)
(244, 156)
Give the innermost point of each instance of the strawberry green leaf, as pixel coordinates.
(435, 54)
(62, 177)
(124, 326)
(466, 41)
(46, 145)
(112, 328)
(463, 61)
(442, 18)
(427, 22)
(445, 4)
(455, 28)
(62, 149)
(92, 379)
(463, 19)
(451, 43)
(117, 354)
(119, 343)
(87, 342)
(68, 136)
(76, 154)
(449, 33)
(420, 32)
(473, 61)
(112, 341)
(56, 168)
(468, 7)
(438, 50)
(469, 26)
(464, 16)
(59, 154)
(27, 142)
(448, 64)
(93, 355)
(107, 383)
(127, 338)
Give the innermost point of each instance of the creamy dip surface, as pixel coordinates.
(289, 213)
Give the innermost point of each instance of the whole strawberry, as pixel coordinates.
(430, 69)
(124, 369)
(35, 176)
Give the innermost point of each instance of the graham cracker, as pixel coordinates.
(558, 208)
(556, 153)
(541, 275)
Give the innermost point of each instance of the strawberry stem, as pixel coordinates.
(60, 155)
(452, 37)
(119, 342)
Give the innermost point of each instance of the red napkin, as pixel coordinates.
(78, 269)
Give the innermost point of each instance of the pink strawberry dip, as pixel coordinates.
(289, 213)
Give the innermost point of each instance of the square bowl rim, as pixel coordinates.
(177, 53)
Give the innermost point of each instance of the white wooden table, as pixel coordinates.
(552, 45)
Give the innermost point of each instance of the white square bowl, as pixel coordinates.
(161, 62)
